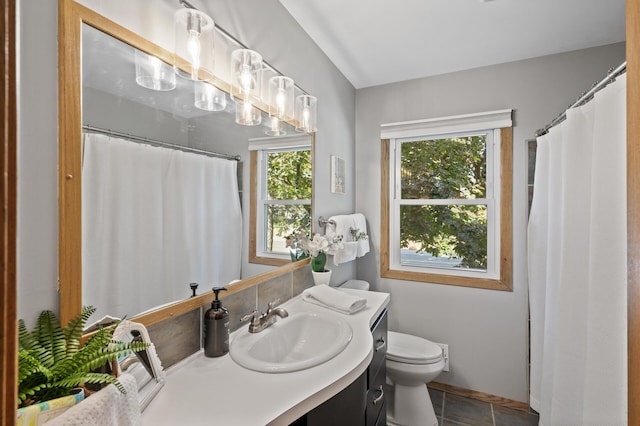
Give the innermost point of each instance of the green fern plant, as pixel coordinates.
(51, 361)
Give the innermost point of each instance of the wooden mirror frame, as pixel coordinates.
(71, 17)
(8, 229)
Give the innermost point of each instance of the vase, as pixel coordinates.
(297, 254)
(323, 277)
(42, 412)
(318, 261)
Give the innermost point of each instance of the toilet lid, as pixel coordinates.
(412, 349)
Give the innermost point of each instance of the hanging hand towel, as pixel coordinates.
(361, 228)
(343, 225)
(354, 246)
(107, 407)
(335, 299)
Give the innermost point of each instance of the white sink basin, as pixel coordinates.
(300, 341)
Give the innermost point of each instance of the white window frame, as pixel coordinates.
(263, 201)
(492, 201)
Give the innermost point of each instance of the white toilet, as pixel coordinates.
(412, 362)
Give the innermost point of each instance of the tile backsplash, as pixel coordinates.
(176, 338)
(179, 337)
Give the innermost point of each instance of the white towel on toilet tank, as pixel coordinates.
(354, 246)
(107, 407)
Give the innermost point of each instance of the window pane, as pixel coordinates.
(444, 168)
(451, 236)
(283, 221)
(289, 175)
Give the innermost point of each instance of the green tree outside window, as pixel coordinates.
(450, 169)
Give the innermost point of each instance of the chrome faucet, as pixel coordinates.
(261, 321)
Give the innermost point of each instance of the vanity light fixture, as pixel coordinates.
(193, 44)
(207, 97)
(153, 73)
(246, 74)
(275, 127)
(194, 59)
(280, 103)
(247, 114)
(306, 113)
(281, 97)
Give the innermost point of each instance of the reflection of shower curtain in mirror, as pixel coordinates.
(154, 220)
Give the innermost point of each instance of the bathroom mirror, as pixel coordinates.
(99, 91)
(144, 366)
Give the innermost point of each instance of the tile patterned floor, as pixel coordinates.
(454, 410)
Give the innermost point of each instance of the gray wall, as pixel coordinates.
(263, 25)
(486, 330)
(107, 111)
(37, 245)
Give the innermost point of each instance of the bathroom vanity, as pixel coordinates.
(202, 390)
(363, 402)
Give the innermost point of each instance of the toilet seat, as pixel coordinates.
(410, 349)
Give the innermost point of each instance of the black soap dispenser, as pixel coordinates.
(216, 328)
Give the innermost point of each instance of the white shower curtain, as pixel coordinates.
(578, 266)
(154, 220)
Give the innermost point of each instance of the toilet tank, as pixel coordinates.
(356, 284)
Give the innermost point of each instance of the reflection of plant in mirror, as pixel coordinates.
(51, 362)
(294, 242)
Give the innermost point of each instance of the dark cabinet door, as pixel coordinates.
(345, 409)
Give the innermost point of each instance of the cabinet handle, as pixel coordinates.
(380, 344)
(379, 397)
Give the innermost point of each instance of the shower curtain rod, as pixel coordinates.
(155, 142)
(586, 96)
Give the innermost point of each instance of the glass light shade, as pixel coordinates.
(209, 98)
(193, 44)
(246, 74)
(247, 114)
(281, 97)
(306, 113)
(153, 73)
(275, 127)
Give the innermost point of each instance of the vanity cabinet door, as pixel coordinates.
(379, 333)
(376, 402)
(377, 375)
(345, 409)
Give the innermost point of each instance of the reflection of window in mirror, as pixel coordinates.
(281, 203)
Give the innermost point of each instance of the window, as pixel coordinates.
(446, 201)
(281, 176)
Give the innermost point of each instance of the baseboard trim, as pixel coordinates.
(481, 396)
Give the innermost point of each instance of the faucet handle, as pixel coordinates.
(253, 316)
(271, 305)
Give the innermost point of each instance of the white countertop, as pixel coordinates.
(202, 390)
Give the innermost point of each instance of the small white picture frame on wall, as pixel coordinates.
(338, 172)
